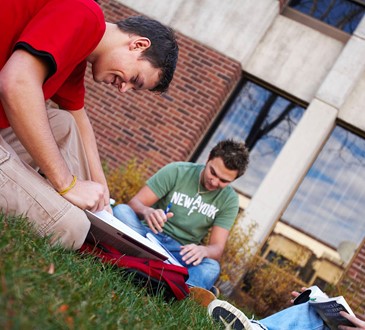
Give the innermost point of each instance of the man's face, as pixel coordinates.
(124, 69)
(216, 175)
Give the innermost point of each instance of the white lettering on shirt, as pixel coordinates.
(194, 204)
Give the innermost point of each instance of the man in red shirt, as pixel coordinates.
(44, 50)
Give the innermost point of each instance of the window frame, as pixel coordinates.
(230, 100)
(315, 23)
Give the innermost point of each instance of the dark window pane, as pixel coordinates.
(342, 14)
(265, 121)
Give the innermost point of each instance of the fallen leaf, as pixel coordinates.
(51, 268)
(63, 308)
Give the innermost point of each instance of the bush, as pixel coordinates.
(269, 285)
(256, 284)
(124, 182)
(237, 252)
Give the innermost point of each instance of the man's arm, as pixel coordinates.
(141, 204)
(21, 94)
(194, 254)
(92, 153)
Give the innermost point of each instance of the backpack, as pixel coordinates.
(155, 275)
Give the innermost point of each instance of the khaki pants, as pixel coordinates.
(23, 191)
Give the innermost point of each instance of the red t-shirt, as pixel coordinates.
(63, 32)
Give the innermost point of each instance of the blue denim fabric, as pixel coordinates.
(298, 317)
(203, 275)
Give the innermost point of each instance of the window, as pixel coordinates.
(263, 119)
(341, 14)
(321, 283)
(280, 260)
(329, 204)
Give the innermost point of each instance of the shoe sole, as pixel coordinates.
(229, 316)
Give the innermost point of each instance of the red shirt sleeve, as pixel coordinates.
(68, 30)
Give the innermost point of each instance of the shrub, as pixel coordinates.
(269, 285)
(237, 252)
(256, 284)
(124, 182)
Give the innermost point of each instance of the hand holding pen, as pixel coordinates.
(168, 208)
(157, 218)
(167, 212)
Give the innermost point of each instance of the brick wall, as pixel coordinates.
(356, 276)
(162, 128)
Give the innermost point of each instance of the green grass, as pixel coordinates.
(44, 287)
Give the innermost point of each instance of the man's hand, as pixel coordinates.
(193, 253)
(360, 325)
(156, 219)
(92, 154)
(296, 293)
(87, 195)
(108, 208)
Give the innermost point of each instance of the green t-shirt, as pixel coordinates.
(194, 213)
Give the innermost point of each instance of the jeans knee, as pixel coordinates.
(126, 214)
(213, 264)
(205, 274)
(121, 208)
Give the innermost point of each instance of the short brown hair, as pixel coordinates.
(234, 154)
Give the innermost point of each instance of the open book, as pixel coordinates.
(327, 308)
(110, 230)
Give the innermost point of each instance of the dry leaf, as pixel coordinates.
(51, 269)
(63, 308)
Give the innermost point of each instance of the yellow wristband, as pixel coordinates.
(66, 190)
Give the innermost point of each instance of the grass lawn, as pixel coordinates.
(44, 287)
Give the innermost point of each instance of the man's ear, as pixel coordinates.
(140, 43)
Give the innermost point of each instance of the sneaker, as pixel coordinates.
(231, 317)
(215, 291)
(202, 296)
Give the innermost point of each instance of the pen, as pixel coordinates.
(168, 208)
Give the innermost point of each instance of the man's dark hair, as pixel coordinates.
(164, 50)
(234, 154)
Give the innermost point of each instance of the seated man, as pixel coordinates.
(182, 201)
(297, 317)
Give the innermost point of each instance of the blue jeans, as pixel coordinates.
(297, 317)
(203, 275)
